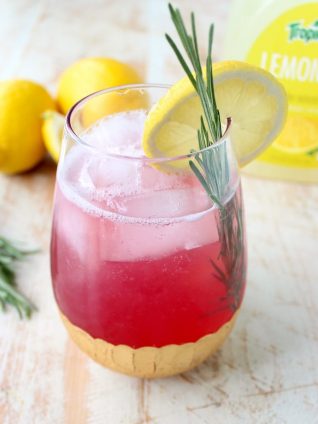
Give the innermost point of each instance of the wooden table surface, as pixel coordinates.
(267, 371)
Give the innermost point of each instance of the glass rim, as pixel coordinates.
(80, 141)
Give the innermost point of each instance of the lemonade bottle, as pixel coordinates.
(282, 37)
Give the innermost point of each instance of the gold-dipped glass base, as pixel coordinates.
(149, 362)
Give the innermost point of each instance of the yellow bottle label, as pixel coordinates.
(288, 48)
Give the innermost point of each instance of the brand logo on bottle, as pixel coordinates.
(297, 31)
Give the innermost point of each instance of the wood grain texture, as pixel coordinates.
(267, 372)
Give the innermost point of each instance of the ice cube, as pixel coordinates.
(144, 239)
(155, 178)
(168, 203)
(118, 134)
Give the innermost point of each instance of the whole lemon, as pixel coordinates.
(21, 106)
(92, 74)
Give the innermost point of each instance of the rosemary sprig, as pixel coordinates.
(211, 167)
(9, 294)
(208, 167)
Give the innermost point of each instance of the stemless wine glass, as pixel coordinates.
(148, 255)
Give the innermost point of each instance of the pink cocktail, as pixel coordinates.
(147, 277)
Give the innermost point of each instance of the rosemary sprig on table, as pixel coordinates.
(211, 167)
(9, 294)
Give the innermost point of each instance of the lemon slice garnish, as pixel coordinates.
(254, 100)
